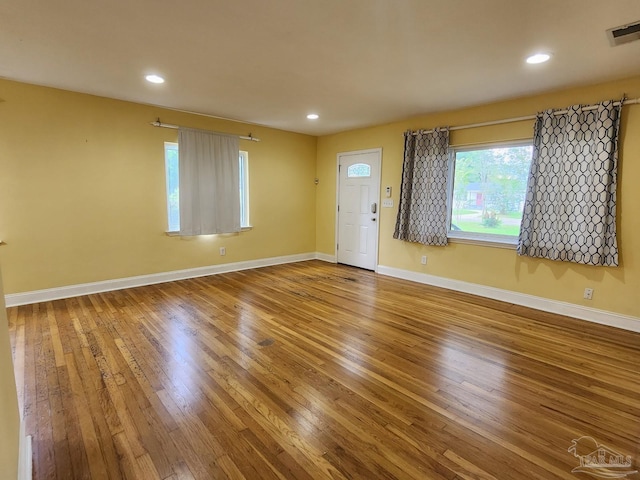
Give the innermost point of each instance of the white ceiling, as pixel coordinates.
(354, 62)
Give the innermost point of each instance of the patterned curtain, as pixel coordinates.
(422, 216)
(570, 207)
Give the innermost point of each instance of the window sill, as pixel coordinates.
(177, 234)
(500, 242)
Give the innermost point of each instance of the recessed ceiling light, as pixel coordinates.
(538, 58)
(313, 116)
(154, 79)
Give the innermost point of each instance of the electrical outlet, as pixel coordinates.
(423, 260)
(588, 293)
(223, 251)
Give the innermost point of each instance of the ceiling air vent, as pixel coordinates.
(624, 34)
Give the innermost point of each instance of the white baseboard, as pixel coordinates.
(25, 456)
(37, 296)
(603, 317)
(325, 257)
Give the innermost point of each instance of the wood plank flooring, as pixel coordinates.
(314, 371)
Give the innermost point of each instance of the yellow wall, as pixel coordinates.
(616, 289)
(82, 195)
(82, 191)
(9, 416)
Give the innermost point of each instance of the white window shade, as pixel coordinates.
(209, 183)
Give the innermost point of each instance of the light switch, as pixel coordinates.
(387, 202)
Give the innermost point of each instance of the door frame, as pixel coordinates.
(377, 187)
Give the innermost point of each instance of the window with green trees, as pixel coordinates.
(489, 188)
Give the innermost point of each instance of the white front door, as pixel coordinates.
(358, 208)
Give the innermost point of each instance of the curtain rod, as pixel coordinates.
(158, 123)
(520, 119)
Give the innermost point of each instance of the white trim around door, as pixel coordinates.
(368, 210)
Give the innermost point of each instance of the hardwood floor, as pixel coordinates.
(313, 371)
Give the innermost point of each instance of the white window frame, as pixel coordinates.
(244, 190)
(486, 239)
(172, 145)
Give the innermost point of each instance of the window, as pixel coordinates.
(173, 188)
(172, 170)
(359, 170)
(487, 191)
(244, 189)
